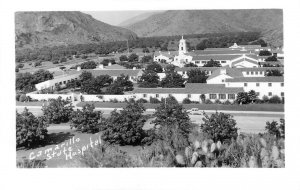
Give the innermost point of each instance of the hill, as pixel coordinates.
(177, 22)
(138, 18)
(37, 29)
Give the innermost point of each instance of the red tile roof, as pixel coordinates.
(232, 72)
(215, 57)
(256, 79)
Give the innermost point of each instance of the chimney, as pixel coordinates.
(78, 68)
(223, 71)
(101, 66)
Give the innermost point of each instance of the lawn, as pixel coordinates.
(38, 103)
(248, 107)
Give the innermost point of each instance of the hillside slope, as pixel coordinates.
(37, 29)
(138, 18)
(178, 22)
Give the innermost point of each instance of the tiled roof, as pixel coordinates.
(260, 68)
(256, 79)
(244, 59)
(191, 88)
(115, 66)
(232, 72)
(250, 46)
(215, 57)
(115, 72)
(168, 54)
(220, 52)
(191, 68)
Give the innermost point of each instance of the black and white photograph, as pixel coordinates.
(137, 88)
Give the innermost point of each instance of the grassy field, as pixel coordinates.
(249, 107)
(29, 103)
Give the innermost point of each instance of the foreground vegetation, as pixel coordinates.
(173, 142)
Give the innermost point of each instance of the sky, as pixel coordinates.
(114, 17)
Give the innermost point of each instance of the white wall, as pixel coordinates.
(48, 96)
(218, 80)
(107, 97)
(263, 88)
(51, 83)
(254, 73)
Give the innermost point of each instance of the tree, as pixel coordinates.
(172, 80)
(74, 83)
(196, 76)
(63, 59)
(149, 79)
(37, 63)
(133, 57)
(96, 85)
(30, 130)
(264, 53)
(125, 127)
(242, 98)
(146, 50)
(88, 65)
(212, 63)
(252, 96)
(85, 75)
(146, 59)
(123, 58)
(58, 110)
(271, 58)
(273, 72)
(20, 66)
(275, 100)
(41, 76)
(86, 120)
(155, 67)
(273, 128)
(219, 126)
(169, 68)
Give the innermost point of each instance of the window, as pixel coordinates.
(183, 72)
(60, 83)
(256, 72)
(282, 94)
(189, 96)
(203, 61)
(270, 84)
(223, 61)
(270, 93)
(186, 60)
(181, 48)
(245, 84)
(223, 80)
(170, 95)
(252, 72)
(257, 93)
(282, 84)
(68, 80)
(156, 95)
(257, 84)
(197, 62)
(231, 96)
(144, 95)
(247, 72)
(64, 82)
(261, 72)
(212, 96)
(222, 96)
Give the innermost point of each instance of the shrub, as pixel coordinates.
(186, 101)
(274, 129)
(154, 100)
(275, 100)
(58, 110)
(114, 100)
(242, 98)
(219, 126)
(106, 156)
(55, 62)
(86, 120)
(30, 130)
(202, 97)
(141, 100)
(227, 102)
(23, 98)
(208, 101)
(265, 99)
(18, 97)
(26, 163)
(217, 101)
(125, 127)
(17, 70)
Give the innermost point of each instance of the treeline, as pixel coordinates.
(159, 43)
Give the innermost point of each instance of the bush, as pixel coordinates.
(63, 59)
(55, 62)
(265, 99)
(154, 100)
(227, 102)
(275, 100)
(242, 98)
(208, 101)
(186, 101)
(114, 100)
(18, 97)
(26, 163)
(219, 126)
(23, 98)
(30, 130)
(86, 120)
(141, 100)
(217, 101)
(58, 110)
(125, 127)
(274, 129)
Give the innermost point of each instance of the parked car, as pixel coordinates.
(194, 111)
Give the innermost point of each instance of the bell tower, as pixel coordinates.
(182, 46)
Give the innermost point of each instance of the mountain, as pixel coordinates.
(37, 29)
(138, 18)
(177, 22)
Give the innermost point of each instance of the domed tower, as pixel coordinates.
(182, 46)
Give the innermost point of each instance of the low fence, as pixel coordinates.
(41, 97)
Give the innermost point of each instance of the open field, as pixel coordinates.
(248, 107)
